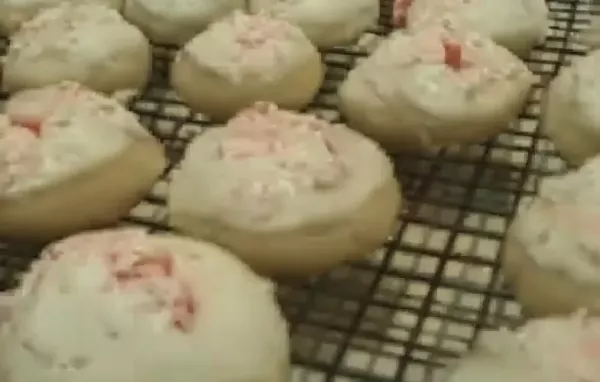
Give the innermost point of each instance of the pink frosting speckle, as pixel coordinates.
(134, 263)
(20, 154)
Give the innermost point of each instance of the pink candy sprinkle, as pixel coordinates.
(400, 12)
(183, 306)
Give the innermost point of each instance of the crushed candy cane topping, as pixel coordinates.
(441, 60)
(297, 146)
(251, 44)
(127, 264)
(19, 152)
(400, 12)
(51, 133)
(559, 228)
(556, 349)
(60, 29)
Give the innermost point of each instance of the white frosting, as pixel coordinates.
(502, 21)
(50, 134)
(441, 69)
(579, 88)
(14, 12)
(549, 350)
(125, 306)
(275, 169)
(325, 23)
(254, 46)
(559, 229)
(76, 42)
(177, 21)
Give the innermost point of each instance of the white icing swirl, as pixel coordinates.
(559, 228)
(253, 46)
(76, 129)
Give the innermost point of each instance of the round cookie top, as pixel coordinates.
(489, 17)
(558, 229)
(129, 306)
(83, 34)
(580, 85)
(316, 12)
(441, 68)
(14, 12)
(52, 133)
(244, 46)
(271, 169)
(549, 349)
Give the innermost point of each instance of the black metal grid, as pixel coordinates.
(420, 301)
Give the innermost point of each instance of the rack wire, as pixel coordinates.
(419, 302)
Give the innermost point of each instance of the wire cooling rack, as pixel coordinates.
(419, 302)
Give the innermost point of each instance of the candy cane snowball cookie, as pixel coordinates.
(570, 113)
(71, 159)
(289, 193)
(86, 42)
(176, 21)
(127, 306)
(325, 23)
(552, 349)
(517, 25)
(552, 251)
(14, 12)
(434, 87)
(243, 59)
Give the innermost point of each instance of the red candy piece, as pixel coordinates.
(157, 266)
(453, 54)
(184, 309)
(400, 12)
(32, 124)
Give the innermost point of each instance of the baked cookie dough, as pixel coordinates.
(176, 21)
(127, 306)
(88, 43)
(435, 87)
(14, 12)
(325, 23)
(243, 59)
(551, 349)
(517, 25)
(570, 113)
(71, 159)
(551, 255)
(290, 194)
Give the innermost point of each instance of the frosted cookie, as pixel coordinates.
(325, 23)
(518, 25)
(127, 306)
(243, 59)
(435, 87)
(71, 159)
(551, 349)
(570, 113)
(87, 43)
(14, 12)
(552, 252)
(176, 21)
(289, 193)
